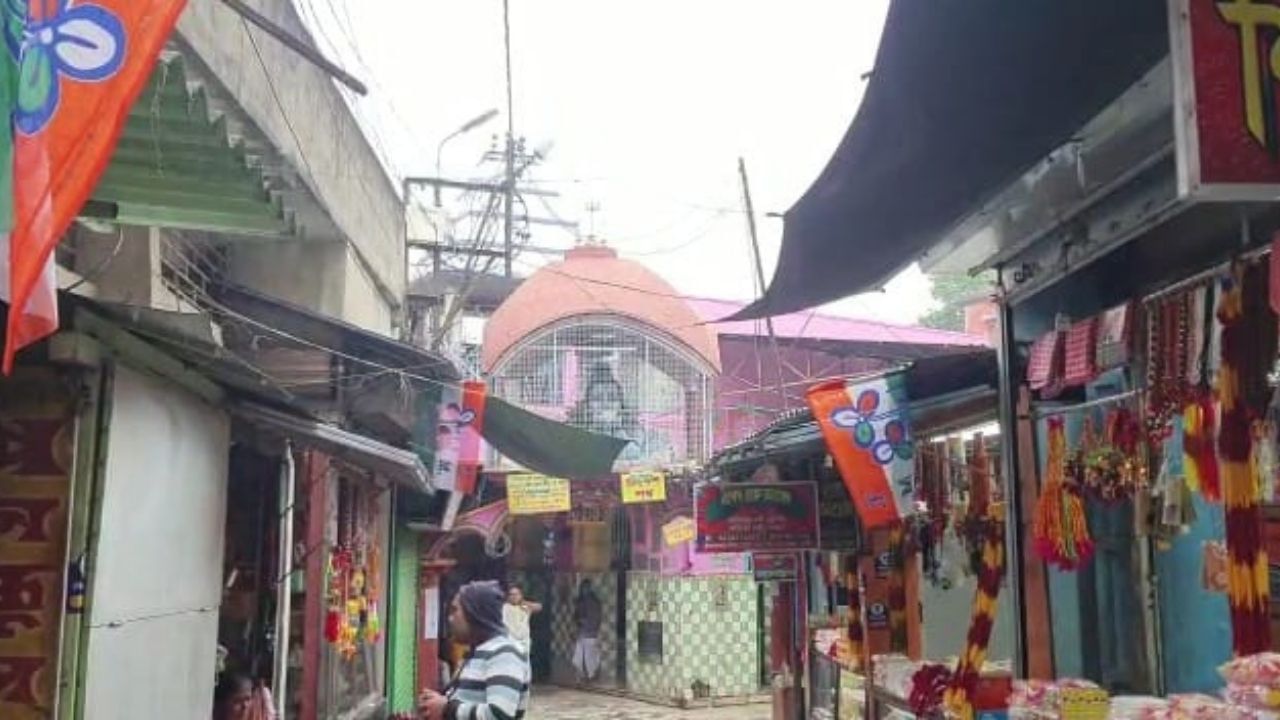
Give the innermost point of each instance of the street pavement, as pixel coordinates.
(551, 703)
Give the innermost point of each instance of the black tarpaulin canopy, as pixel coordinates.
(965, 96)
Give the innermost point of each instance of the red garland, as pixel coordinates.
(928, 685)
(1248, 586)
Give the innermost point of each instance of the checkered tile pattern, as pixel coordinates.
(564, 631)
(710, 635)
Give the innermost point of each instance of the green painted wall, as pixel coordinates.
(402, 630)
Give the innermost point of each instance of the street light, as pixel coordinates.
(467, 127)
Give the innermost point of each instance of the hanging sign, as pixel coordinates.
(866, 431)
(529, 494)
(680, 530)
(644, 487)
(1225, 83)
(756, 517)
(877, 616)
(431, 613)
(884, 563)
(775, 568)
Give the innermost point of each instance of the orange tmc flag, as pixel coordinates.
(866, 430)
(71, 71)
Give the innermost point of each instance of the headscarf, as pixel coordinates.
(481, 602)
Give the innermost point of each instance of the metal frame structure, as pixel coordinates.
(648, 383)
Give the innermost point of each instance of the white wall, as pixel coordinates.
(155, 582)
(322, 140)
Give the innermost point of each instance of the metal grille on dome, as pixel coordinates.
(614, 377)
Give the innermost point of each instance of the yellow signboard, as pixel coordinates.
(644, 487)
(680, 530)
(529, 494)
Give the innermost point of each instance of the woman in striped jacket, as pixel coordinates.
(493, 683)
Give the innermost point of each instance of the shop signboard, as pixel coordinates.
(643, 487)
(719, 564)
(1226, 81)
(769, 567)
(529, 494)
(756, 517)
(678, 531)
(35, 450)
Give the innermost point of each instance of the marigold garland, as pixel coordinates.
(1198, 448)
(1059, 528)
(897, 589)
(857, 647)
(1248, 589)
(959, 695)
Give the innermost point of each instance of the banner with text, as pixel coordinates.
(644, 487)
(756, 516)
(1225, 82)
(529, 494)
(680, 530)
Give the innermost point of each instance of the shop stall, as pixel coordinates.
(869, 602)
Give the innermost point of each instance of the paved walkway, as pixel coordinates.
(550, 703)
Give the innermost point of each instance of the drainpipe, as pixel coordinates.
(284, 585)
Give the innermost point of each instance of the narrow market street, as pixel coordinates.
(569, 360)
(552, 703)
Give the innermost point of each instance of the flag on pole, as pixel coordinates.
(71, 71)
(865, 426)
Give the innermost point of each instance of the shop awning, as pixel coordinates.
(945, 394)
(402, 466)
(964, 97)
(189, 158)
(547, 446)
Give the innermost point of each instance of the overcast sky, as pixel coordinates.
(645, 108)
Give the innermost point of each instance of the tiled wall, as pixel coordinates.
(710, 635)
(564, 631)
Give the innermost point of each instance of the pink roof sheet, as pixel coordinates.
(818, 326)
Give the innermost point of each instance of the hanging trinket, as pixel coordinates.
(1060, 529)
(1116, 468)
(1167, 354)
(335, 581)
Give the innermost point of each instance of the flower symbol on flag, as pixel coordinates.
(85, 43)
(861, 420)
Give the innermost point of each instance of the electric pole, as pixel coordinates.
(509, 177)
(755, 254)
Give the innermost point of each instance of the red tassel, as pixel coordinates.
(333, 625)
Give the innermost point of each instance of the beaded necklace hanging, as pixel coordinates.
(1060, 530)
(1167, 340)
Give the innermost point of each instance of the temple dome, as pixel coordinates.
(592, 280)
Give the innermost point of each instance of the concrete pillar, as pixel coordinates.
(432, 571)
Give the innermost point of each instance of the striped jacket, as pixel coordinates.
(492, 685)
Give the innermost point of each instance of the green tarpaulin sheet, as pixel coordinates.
(546, 446)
